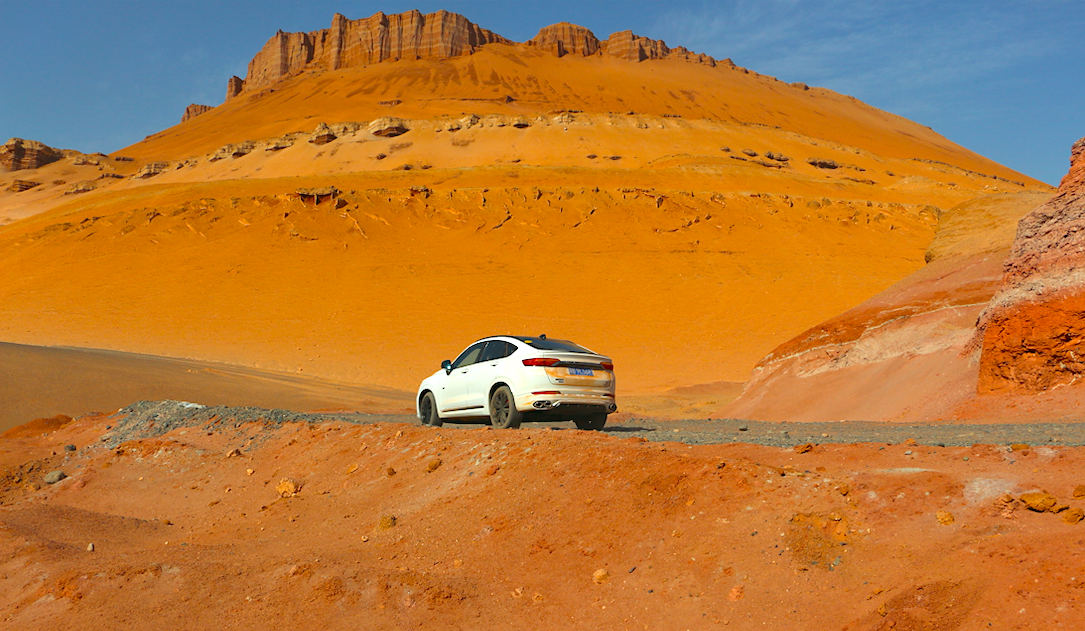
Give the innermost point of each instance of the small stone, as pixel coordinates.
(844, 489)
(364, 538)
(433, 465)
(965, 458)
(737, 593)
(908, 453)
(288, 487)
(1073, 516)
(1019, 447)
(233, 453)
(90, 547)
(493, 469)
(69, 448)
(1039, 501)
(1079, 491)
(351, 469)
(386, 522)
(944, 517)
(600, 576)
(910, 441)
(389, 472)
(801, 449)
(457, 563)
(55, 476)
(743, 428)
(249, 472)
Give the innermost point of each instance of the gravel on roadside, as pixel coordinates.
(147, 419)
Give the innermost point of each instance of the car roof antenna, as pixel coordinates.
(543, 336)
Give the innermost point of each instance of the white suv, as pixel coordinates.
(510, 379)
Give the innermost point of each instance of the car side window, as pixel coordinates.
(469, 356)
(495, 350)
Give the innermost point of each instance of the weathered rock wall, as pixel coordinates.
(380, 37)
(438, 35)
(18, 154)
(566, 39)
(1034, 329)
(194, 110)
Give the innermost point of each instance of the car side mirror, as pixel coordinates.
(446, 365)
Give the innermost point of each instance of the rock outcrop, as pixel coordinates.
(626, 45)
(348, 43)
(907, 354)
(18, 186)
(566, 39)
(441, 35)
(1034, 329)
(194, 110)
(18, 154)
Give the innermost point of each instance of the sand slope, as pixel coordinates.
(633, 214)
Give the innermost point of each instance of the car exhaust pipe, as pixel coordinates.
(542, 405)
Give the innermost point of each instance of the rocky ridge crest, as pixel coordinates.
(18, 154)
(439, 35)
(194, 110)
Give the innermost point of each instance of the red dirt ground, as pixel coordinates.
(530, 529)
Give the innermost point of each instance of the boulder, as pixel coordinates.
(151, 169)
(823, 164)
(388, 127)
(18, 154)
(55, 476)
(80, 187)
(18, 186)
(280, 143)
(194, 110)
(1039, 501)
(322, 135)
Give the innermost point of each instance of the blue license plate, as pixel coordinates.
(587, 372)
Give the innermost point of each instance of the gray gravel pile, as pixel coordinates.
(148, 419)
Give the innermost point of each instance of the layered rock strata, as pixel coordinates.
(1033, 332)
(18, 154)
(194, 110)
(380, 37)
(908, 354)
(439, 35)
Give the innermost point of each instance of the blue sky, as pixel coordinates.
(1005, 79)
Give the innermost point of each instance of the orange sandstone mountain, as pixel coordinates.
(684, 217)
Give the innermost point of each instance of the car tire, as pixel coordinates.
(595, 422)
(503, 412)
(427, 408)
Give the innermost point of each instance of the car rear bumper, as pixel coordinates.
(581, 402)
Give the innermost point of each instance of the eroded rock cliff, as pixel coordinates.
(380, 37)
(1034, 329)
(438, 35)
(566, 39)
(194, 110)
(18, 154)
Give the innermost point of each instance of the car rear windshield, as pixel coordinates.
(547, 344)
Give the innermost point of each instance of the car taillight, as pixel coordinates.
(607, 366)
(541, 361)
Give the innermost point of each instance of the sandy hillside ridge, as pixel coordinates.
(684, 231)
